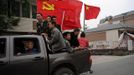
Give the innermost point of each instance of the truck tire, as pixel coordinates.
(63, 71)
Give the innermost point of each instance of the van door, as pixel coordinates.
(27, 57)
(4, 55)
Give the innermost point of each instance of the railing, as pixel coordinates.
(129, 45)
(104, 44)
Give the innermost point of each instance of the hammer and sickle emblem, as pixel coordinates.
(47, 6)
(87, 8)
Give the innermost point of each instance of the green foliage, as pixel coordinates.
(8, 23)
(14, 21)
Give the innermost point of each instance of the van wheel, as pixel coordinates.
(64, 71)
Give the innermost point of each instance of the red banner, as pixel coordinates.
(49, 9)
(71, 17)
(91, 12)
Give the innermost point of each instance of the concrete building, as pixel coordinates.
(110, 29)
(25, 10)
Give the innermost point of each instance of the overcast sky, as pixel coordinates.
(108, 7)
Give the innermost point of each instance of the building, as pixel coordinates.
(107, 34)
(24, 9)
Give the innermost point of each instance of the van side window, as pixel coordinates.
(26, 46)
(2, 47)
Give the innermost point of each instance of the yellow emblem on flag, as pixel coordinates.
(87, 7)
(47, 6)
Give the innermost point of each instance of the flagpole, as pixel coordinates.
(63, 16)
(84, 18)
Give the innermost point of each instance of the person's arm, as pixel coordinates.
(55, 37)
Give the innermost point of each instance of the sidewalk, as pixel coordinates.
(103, 58)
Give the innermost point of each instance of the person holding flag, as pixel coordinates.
(54, 18)
(41, 24)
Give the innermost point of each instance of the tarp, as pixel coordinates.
(131, 35)
(123, 39)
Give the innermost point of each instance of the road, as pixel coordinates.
(118, 66)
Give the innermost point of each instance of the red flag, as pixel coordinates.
(55, 0)
(91, 12)
(72, 15)
(49, 8)
(72, 11)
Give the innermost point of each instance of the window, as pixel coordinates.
(2, 47)
(34, 9)
(26, 46)
(3, 7)
(15, 8)
(25, 9)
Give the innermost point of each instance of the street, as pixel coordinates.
(121, 65)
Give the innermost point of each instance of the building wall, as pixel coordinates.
(112, 35)
(130, 22)
(96, 36)
(25, 25)
(25, 10)
(127, 18)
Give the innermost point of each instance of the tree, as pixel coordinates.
(7, 22)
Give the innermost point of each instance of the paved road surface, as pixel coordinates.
(117, 66)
